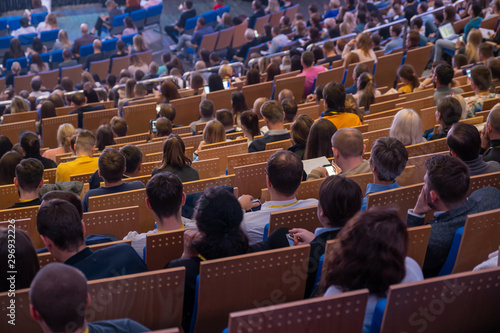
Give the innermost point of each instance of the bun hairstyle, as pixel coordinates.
(218, 216)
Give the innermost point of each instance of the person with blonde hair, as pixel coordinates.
(139, 45)
(474, 39)
(50, 23)
(214, 132)
(18, 105)
(407, 127)
(64, 134)
(364, 48)
(62, 41)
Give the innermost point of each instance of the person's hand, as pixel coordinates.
(246, 202)
(310, 98)
(485, 137)
(202, 143)
(432, 35)
(301, 236)
(352, 42)
(190, 237)
(421, 207)
(323, 171)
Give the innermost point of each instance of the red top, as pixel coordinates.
(217, 6)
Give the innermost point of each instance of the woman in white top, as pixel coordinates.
(407, 127)
(364, 48)
(371, 253)
(49, 24)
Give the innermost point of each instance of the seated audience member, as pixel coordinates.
(443, 76)
(30, 146)
(112, 166)
(378, 237)
(174, 160)
(96, 56)
(206, 113)
(25, 28)
(37, 64)
(285, 94)
(299, 131)
(494, 66)
(364, 48)
(133, 163)
(165, 197)
(273, 115)
(309, 71)
(279, 40)
(407, 127)
(407, 76)
(163, 127)
(27, 260)
(464, 141)
(137, 64)
(104, 137)
(62, 232)
(213, 132)
(64, 134)
(334, 99)
(178, 28)
(290, 109)
(339, 200)
(319, 139)
(80, 102)
(413, 40)
(445, 192)
(395, 41)
(119, 126)
(29, 178)
(84, 39)
(8, 164)
(36, 85)
(193, 41)
(239, 105)
(68, 60)
(59, 297)
(84, 163)
(226, 119)
(330, 54)
(5, 145)
(388, 160)
(106, 20)
(283, 176)
(358, 70)
(490, 138)
(480, 81)
(258, 11)
(449, 112)
(249, 125)
(167, 110)
(348, 148)
(140, 91)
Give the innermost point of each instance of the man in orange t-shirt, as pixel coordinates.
(334, 99)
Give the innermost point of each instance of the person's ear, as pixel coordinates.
(489, 128)
(452, 153)
(183, 201)
(16, 183)
(83, 229)
(89, 299)
(364, 149)
(41, 183)
(268, 182)
(433, 196)
(47, 242)
(35, 314)
(148, 204)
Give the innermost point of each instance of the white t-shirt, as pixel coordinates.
(413, 273)
(254, 222)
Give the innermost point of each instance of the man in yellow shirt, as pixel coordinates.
(334, 99)
(84, 163)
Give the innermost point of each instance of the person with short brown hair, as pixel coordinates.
(490, 136)
(480, 81)
(111, 169)
(273, 115)
(28, 180)
(119, 126)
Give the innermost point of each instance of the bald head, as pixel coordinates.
(494, 119)
(84, 28)
(284, 94)
(58, 294)
(349, 142)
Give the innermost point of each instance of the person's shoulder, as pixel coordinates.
(116, 325)
(135, 185)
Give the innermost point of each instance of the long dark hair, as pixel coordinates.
(238, 102)
(340, 199)
(8, 164)
(215, 82)
(174, 152)
(319, 139)
(251, 121)
(370, 253)
(15, 50)
(407, 72)
(218, 216)
(47, 110)
(104, 137)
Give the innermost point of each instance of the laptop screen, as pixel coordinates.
(446, 30)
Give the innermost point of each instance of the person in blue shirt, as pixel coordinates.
(475, 21)
(388, 160)
(396, 41)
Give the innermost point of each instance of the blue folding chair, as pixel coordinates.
(139, 18)
(128, 39)
(222, 10)
(210, 16)
(3, 26)
(27, 39)
(109, 45)
(14, 22)
(49, 37)
(22, 61)
(57, 57)
(4, 44)
(153, 15)
(190, 23)
(86, 50)
(37, 18)
(117, 25)
(45, 58)
(452, 255)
